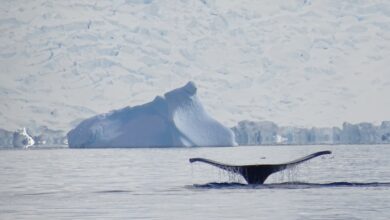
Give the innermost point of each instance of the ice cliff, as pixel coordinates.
(176, 120)
(269, 133)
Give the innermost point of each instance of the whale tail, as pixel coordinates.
(258, 173)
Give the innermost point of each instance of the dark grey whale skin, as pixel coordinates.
(258, 173)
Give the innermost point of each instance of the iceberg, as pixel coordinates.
(176, 120)
(6, 138)
(21, 139)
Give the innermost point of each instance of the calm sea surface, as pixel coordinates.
(352, 183)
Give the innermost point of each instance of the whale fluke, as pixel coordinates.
(258, 173)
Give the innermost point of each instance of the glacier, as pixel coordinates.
(298, 63)
(176, 120)
(269, 133)
(246, 133)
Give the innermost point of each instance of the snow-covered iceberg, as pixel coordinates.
(176, 120)
(21, 139)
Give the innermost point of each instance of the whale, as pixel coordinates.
(258, 173)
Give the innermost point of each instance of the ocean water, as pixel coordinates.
(152, 183)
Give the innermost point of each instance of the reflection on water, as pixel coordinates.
(353, 183)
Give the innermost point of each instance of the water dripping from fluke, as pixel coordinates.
(258, 173)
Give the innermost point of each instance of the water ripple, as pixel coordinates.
(114, 191)
(286, 185)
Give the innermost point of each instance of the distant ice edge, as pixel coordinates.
(176, 120)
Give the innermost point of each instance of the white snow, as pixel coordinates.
(175, 120)
(295, 62)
